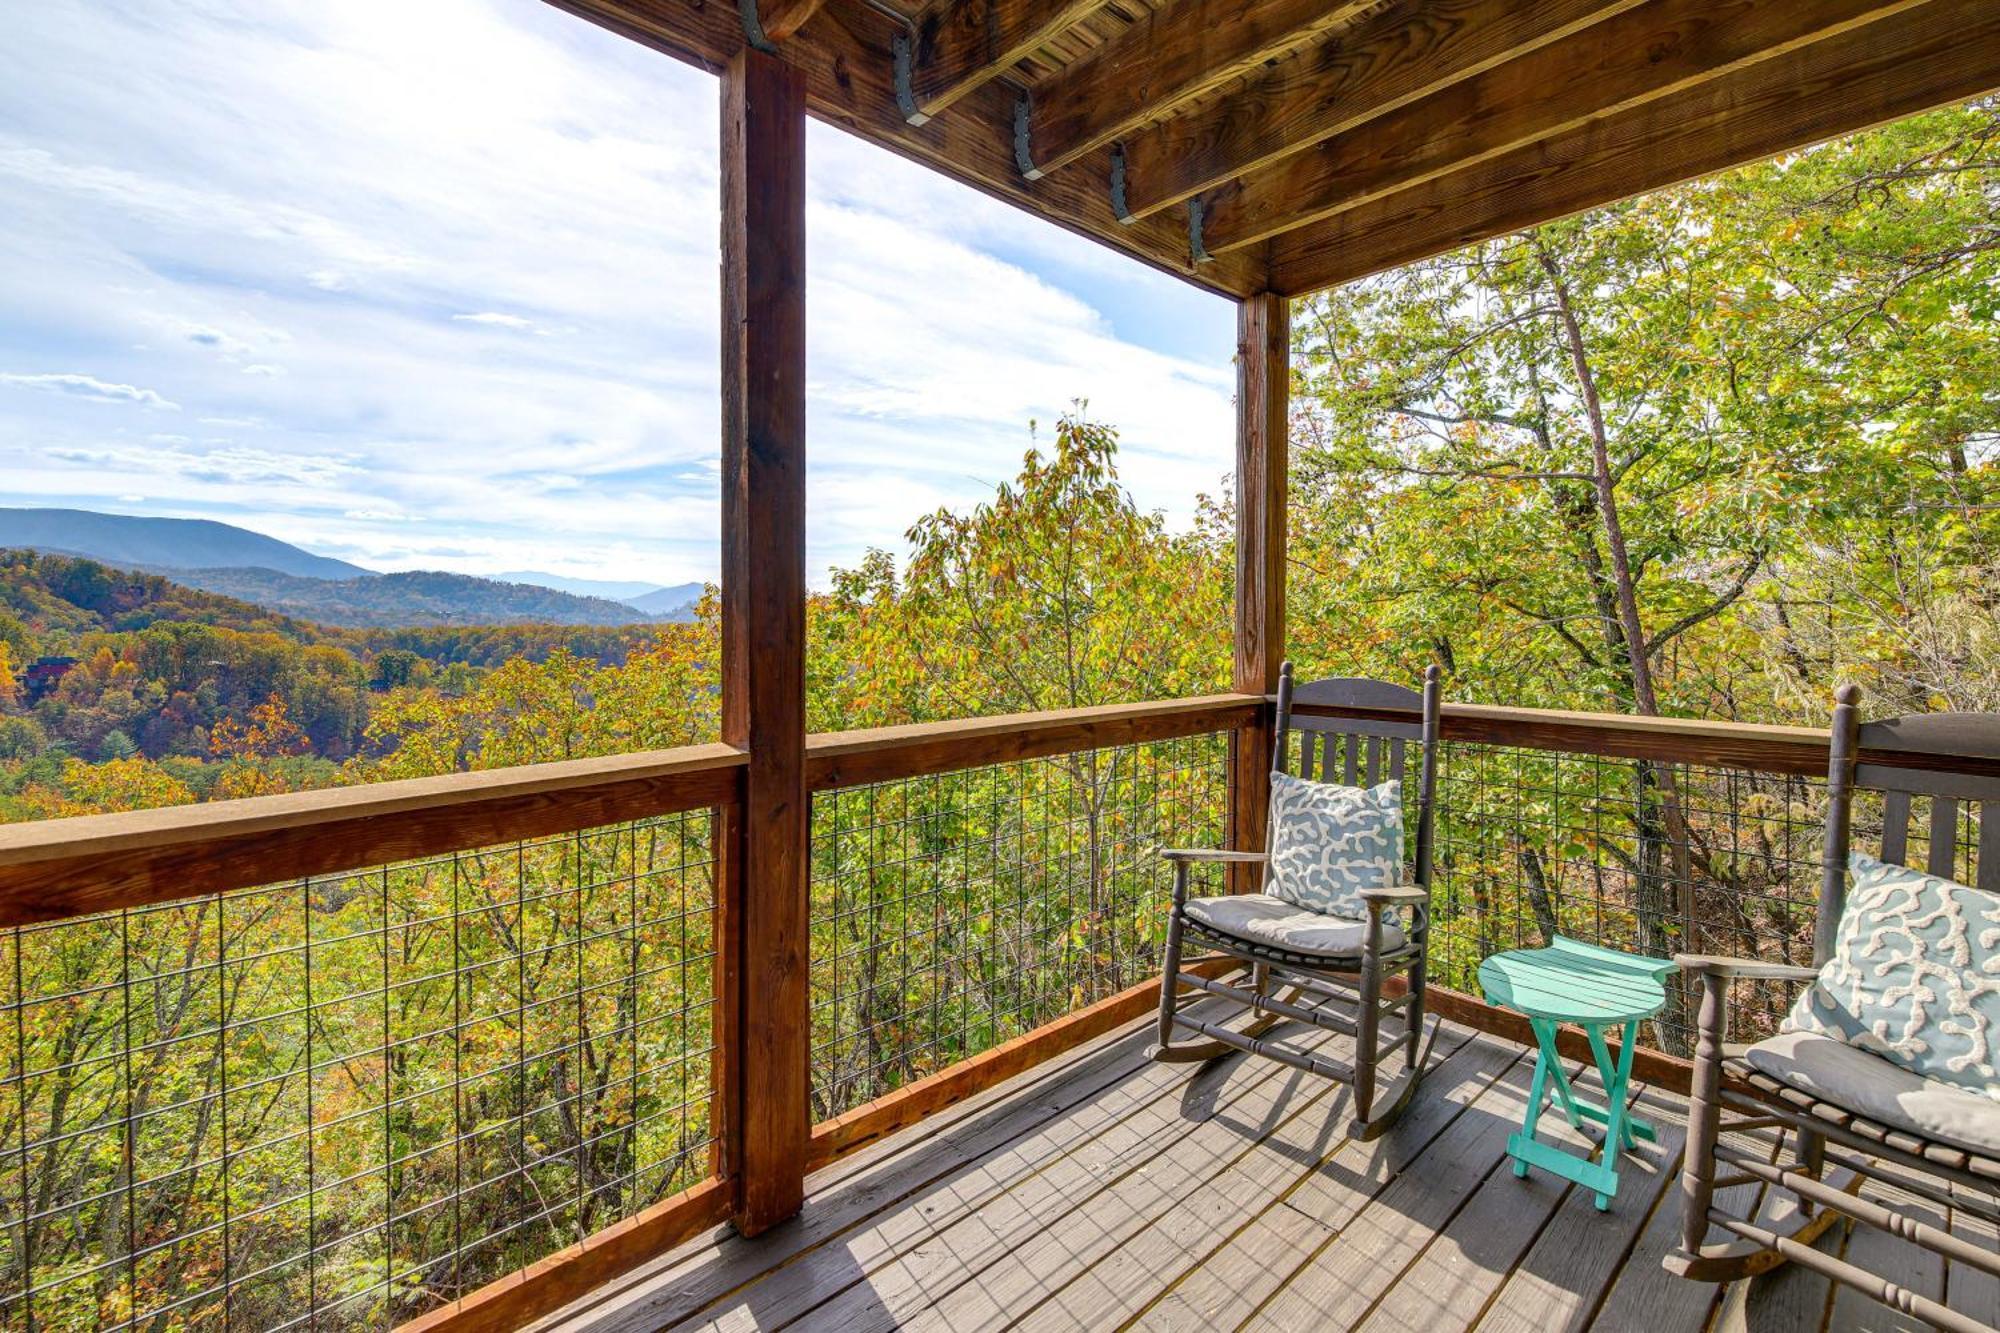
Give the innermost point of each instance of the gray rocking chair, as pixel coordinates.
(1843, 1110)
(1326, 961)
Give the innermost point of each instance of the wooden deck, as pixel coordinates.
(1105, 1191)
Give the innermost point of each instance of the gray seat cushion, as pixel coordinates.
(1885, 1092)
(1260, 919)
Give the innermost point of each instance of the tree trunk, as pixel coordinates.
(1655, 811)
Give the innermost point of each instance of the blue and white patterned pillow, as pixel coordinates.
(1329, 842)
(1914, 976)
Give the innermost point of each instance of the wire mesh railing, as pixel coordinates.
(1637, 854)
(339, 1102)
(953, 911)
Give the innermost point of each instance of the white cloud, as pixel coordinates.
(290, 213)
(91, 388)
(495, 318)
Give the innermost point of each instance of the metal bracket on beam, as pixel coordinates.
(753, 27)
(1118, 208)
(1196, 250)
(1024, 157)
(906, 94)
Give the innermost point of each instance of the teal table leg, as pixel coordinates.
(1536, 1091)
(1545, 1040)
(1614, 1085)
(1616, 1132)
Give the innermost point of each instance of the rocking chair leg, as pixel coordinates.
(1704, 1117)
(1414, 1014)
(1170, 974)
(1370, 1018)
(1164, 1050)
(1812, 1153)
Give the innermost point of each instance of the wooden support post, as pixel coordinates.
(1263, 384)
(763, 1017)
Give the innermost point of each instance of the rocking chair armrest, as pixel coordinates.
(1212, 854)
(1180, 858)
(1397, 895)
(1746, 969)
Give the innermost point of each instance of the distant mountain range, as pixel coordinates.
(675, 602)
(648, 597)
(163, 543)
(618, 590)
(235, 562)
(419, 597)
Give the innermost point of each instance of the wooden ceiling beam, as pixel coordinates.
(1169, 58)
(779, 19)
(847, 55)
(1407, 51)
(1942, 52)
(960, 44)
(1655, 50)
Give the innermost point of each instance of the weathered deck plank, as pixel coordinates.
(1230, 1283)
(1107, 1293)
(1338, 1286)
(1576, 1258)
(1104, 1191)
(1458, 1272)
(977, 1259)
(1644, 1293)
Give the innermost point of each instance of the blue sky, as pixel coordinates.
(432, 284)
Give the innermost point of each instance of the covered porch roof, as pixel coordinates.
(1291, 145)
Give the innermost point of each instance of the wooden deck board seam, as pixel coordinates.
(1505, 1121)
(1259, 1311)
(1096, 1068)
(1123, 1164)
(1299, 1181)
(1274, 1132)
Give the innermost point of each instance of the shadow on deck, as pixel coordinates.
(1103, 1191)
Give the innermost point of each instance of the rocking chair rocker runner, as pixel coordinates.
(1844, 1110)
(1321, 961)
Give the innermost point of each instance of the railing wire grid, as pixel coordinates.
(1644, 856)
(339, 1102)
(953, 912)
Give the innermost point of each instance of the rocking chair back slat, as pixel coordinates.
(1988, 867)
(1930, 798)
(1895, 826)
(1351, 750)
(1944, 837)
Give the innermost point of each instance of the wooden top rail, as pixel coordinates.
(57, 868)
(1756, 746)
(886, 754)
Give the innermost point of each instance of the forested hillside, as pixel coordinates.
(120, 688)
(416, 597)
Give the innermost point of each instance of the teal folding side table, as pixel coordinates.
(1594, 988)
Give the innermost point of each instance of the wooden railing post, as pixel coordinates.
(1263, 384)
(762, 1018)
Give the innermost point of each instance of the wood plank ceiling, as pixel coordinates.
(1291, 145)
